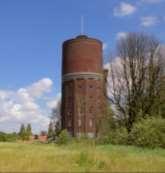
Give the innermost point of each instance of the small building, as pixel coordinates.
(40, 138)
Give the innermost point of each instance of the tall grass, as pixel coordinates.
(79, 157)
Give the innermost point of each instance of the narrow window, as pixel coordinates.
(79, 123)
(90, 123)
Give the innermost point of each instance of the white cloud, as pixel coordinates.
(107, 66)
(22, 106)
(53, 103)
(118, 71)
(149, 21)
(105, 46)
(124, 9)
(38, 88)
(152, 1)
(121, 35)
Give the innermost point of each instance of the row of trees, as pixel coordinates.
(25, 132)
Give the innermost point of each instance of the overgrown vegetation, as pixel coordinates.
(79, 157)
(54, 131)
(63, 137)
(136, 88)
(148, 132)
(8, 137)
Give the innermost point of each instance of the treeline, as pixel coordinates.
(24, 134)
(8, 137)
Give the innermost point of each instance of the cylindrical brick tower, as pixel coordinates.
(82, 85)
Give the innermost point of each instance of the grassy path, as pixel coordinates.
(18, 157)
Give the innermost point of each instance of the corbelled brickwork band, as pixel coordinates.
(82, 75)
(82, 86)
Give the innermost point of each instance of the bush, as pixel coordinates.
(63, 137)
(11, 137)
(115, 136)
(2, 137)
(119, 136)
(148, 132)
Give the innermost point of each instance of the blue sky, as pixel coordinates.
(31, 35)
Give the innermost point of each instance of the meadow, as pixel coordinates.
(79, 157)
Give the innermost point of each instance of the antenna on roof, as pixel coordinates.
(82, 25)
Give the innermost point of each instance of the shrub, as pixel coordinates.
(148, 132)
(119, 136)
(115, 136)
(2, 137)
(11, 137)
(63, 137)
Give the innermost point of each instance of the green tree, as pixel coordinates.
(28, 131)
(159, 107)
(22, 132)
(54, 128)
(57, 128)
(149, 132)
(136, 77)
(63, 137)
(50, 131)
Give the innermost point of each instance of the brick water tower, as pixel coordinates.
(82, 86)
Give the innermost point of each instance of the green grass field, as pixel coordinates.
(79, 157)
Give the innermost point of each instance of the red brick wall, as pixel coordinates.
(82, 55)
